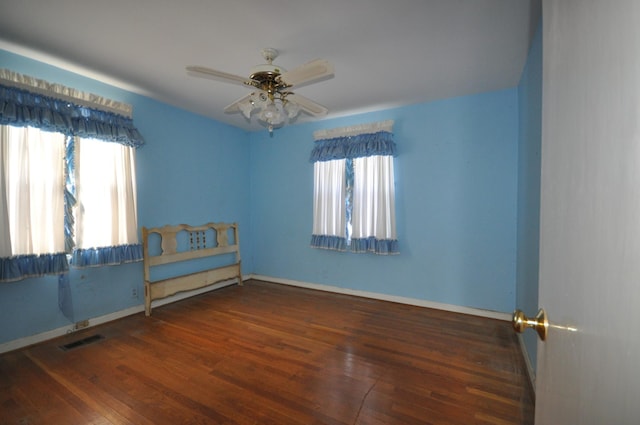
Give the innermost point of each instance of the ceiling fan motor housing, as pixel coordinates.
(266, 72)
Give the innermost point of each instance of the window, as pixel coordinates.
(67, 180)
(103, 222)
(105, 217)
(329, 205)
(33, 185)
(354, 194)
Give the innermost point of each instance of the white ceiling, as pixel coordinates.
(385, 53)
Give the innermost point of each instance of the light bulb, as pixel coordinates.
(272, 115)
(292, 109)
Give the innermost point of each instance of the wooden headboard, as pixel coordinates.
(187, 244)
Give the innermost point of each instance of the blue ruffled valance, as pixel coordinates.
(346, 144)
(354, 146)
(19, 107)
(29, 102)
(334, 243)
(106, 256)
(22, 266)
(378, 246)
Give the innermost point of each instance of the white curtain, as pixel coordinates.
(329, 215)
(373, 198)
(32, 187)
(37, 179)
(5, 233)
(105, 213)
(354, 195)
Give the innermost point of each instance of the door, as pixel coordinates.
(588, 369)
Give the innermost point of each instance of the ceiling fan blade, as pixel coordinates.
(308, 106)
(203, 72)
(309, 73)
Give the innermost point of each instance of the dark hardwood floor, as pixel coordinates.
(273, 354)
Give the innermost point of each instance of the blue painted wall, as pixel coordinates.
(530, 138)
(456, 182)
(456, 193)
(192, 170)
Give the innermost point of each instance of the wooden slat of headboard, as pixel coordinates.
(169, 234)
(167, 287)
(157, 260)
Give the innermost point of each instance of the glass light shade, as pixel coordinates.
(292, 109)
(272, 115)
(246, 108)
(259, 99)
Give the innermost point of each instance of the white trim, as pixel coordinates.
(531, 373)
(393, 298)
(64, 93)
(57, 62)
(354, 130)
(54, 333)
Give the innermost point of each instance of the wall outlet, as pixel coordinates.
(134, 292)
(81, 324)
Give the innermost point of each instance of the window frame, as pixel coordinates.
(366, 145)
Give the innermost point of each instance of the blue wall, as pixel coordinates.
(456, 194)
(192, 170)
(530, 138)
(456, 175)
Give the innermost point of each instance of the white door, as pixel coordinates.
(588, 369)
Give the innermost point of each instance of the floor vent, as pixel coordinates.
(81, 342)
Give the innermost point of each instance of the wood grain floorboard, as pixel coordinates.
(272, 354)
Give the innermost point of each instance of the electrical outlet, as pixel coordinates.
(134, 292)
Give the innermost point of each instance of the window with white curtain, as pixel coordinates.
(105, 210)
(32, 176)
(33, 171)
(67, 179)
(354, 189)
(329, 205)
(373, 218)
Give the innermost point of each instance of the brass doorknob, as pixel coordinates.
(540, 323)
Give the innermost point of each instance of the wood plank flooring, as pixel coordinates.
(266, 354)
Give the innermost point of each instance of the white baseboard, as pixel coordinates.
(54, 333)
(531, 373)
(393, 298)
(95, 321)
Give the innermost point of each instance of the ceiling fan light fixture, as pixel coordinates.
(246, 108)
(259, 99)
(273, 101)
(292, 109)
(272, 115)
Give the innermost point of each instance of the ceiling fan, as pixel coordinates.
(272, 98)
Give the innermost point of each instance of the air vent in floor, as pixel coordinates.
(81, 342)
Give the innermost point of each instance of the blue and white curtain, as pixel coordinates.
(42, 127)
(354, 192)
